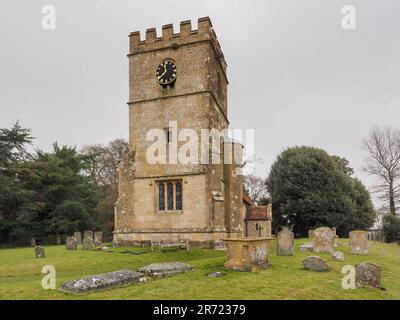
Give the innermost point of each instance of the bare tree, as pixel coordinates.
(256, 188)
(383, 161)
(104, 161)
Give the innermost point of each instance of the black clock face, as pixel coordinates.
(166, 72)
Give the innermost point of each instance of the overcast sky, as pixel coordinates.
(296, 76)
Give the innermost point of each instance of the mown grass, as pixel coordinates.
(20, 275)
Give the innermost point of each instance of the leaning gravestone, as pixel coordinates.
(368, 275)
(102, 281)
(71, 243)
(358, 242)
(315, 263)
(311, 233)
(324, 240)
(285, 243)
(78, 236)
(87, 243)
(39, 252)
(161, 270)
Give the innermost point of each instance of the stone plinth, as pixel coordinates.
(246, 254)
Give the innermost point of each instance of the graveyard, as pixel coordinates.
(284, 278)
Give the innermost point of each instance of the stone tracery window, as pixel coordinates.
(170, 195)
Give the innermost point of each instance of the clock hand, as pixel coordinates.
(165, 71)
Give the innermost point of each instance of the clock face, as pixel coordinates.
(166, 72)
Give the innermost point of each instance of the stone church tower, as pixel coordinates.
(179, 77)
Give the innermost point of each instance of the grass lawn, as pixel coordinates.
(20, 275)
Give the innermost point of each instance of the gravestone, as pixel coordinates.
(115, 244)
(98, 238)
(78, 236)
(285, 243)
(58, 240)
(306, 247)
(102, 281)
(71, 243)
(87, 243)
(338, 256)
(315, 263)
(33, 242)
(358, 242)
(368, 275)
(161, 270)
(215, 275)
(87, 234)
(39, 252)
(311, 233)
(324, 240)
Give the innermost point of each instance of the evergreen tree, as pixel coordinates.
(309, 188)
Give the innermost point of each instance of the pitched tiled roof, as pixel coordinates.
(246, 199)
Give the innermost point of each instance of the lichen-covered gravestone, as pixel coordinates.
(306, 247)
(324, 240)
(358, 242)
(88, 234)
(368, 275)
(87, 243)
(102, 281)
(71, 243)
(98, 238)
(311, 233)
(39, 252)
(285, 243)
(33, 242)
(315, 263)
(78, 237)
(161, 270)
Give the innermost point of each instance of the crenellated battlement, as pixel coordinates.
(170, 39)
